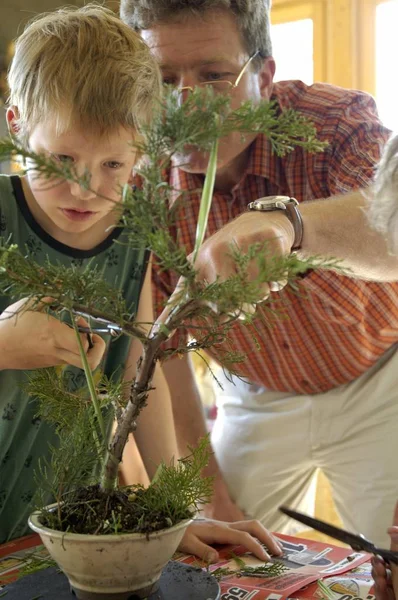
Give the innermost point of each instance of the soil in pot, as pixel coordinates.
(91, 511)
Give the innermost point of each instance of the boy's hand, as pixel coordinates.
(249, 534)
(32, 339)
(386, 579)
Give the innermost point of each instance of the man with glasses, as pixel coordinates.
(323, 380)
(219, 86)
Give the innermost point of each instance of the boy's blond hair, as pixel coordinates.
(82, 66)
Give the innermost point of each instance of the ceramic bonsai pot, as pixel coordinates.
(111, 567)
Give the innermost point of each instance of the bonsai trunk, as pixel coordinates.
(139, 393)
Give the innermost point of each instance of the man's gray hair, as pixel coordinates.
(383, 207)
(252, 17)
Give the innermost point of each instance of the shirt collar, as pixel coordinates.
(263, 162)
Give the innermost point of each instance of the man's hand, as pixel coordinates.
(249, 534)
(214, 257)
(386, 578)
(30, 338)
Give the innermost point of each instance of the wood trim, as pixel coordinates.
(366, 17)
(341, 43)
(320, 41)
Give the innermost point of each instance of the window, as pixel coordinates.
(298, 64)
(386, 55)
(298, 30)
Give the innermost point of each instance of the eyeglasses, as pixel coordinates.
(222, 86)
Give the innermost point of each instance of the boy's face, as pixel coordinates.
(72, 215)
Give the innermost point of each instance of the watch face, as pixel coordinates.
(270, 203)
(275, 199)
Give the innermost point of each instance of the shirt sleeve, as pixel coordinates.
(355, 150)
(357, 145)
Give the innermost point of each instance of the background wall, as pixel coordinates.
(15, 13)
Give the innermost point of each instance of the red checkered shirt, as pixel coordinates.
(337, 327)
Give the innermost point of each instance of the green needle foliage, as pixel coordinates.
(175, 494)
(71, 288)
(268, 570)
(149, 214)
(58, 405)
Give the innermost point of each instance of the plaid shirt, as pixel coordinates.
(337, 327)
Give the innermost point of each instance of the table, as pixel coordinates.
(345, 574)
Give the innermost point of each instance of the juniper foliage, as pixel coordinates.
(149, 215)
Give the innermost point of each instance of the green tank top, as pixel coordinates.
(24, 438)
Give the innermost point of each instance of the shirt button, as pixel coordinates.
(305, 383)
(286, 346)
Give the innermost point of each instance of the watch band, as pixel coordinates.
(294, 216)
(287, 204)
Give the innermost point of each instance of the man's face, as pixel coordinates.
(193, 50)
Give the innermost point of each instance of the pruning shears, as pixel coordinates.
(357, 542)
(107, 328)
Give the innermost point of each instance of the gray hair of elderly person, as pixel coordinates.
(383, 197)
(252, 17)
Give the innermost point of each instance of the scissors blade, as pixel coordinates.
(111, 329)
(356, 542)
(106, 327)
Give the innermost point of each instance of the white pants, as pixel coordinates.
(270, 446)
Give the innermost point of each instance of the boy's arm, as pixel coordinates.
(155, 434)
(190, 427)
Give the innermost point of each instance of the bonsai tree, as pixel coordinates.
(82, 474)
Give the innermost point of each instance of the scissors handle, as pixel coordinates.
(389, 555)
(109, 329)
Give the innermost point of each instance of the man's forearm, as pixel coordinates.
(339, 227)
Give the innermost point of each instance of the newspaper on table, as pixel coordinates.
(313, 570)
(306, 562)
(352, 585)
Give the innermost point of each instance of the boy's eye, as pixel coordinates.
(64, 158)
(114, 164)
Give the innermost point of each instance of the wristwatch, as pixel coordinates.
(287, 204)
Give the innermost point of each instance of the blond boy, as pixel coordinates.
(82, 84)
